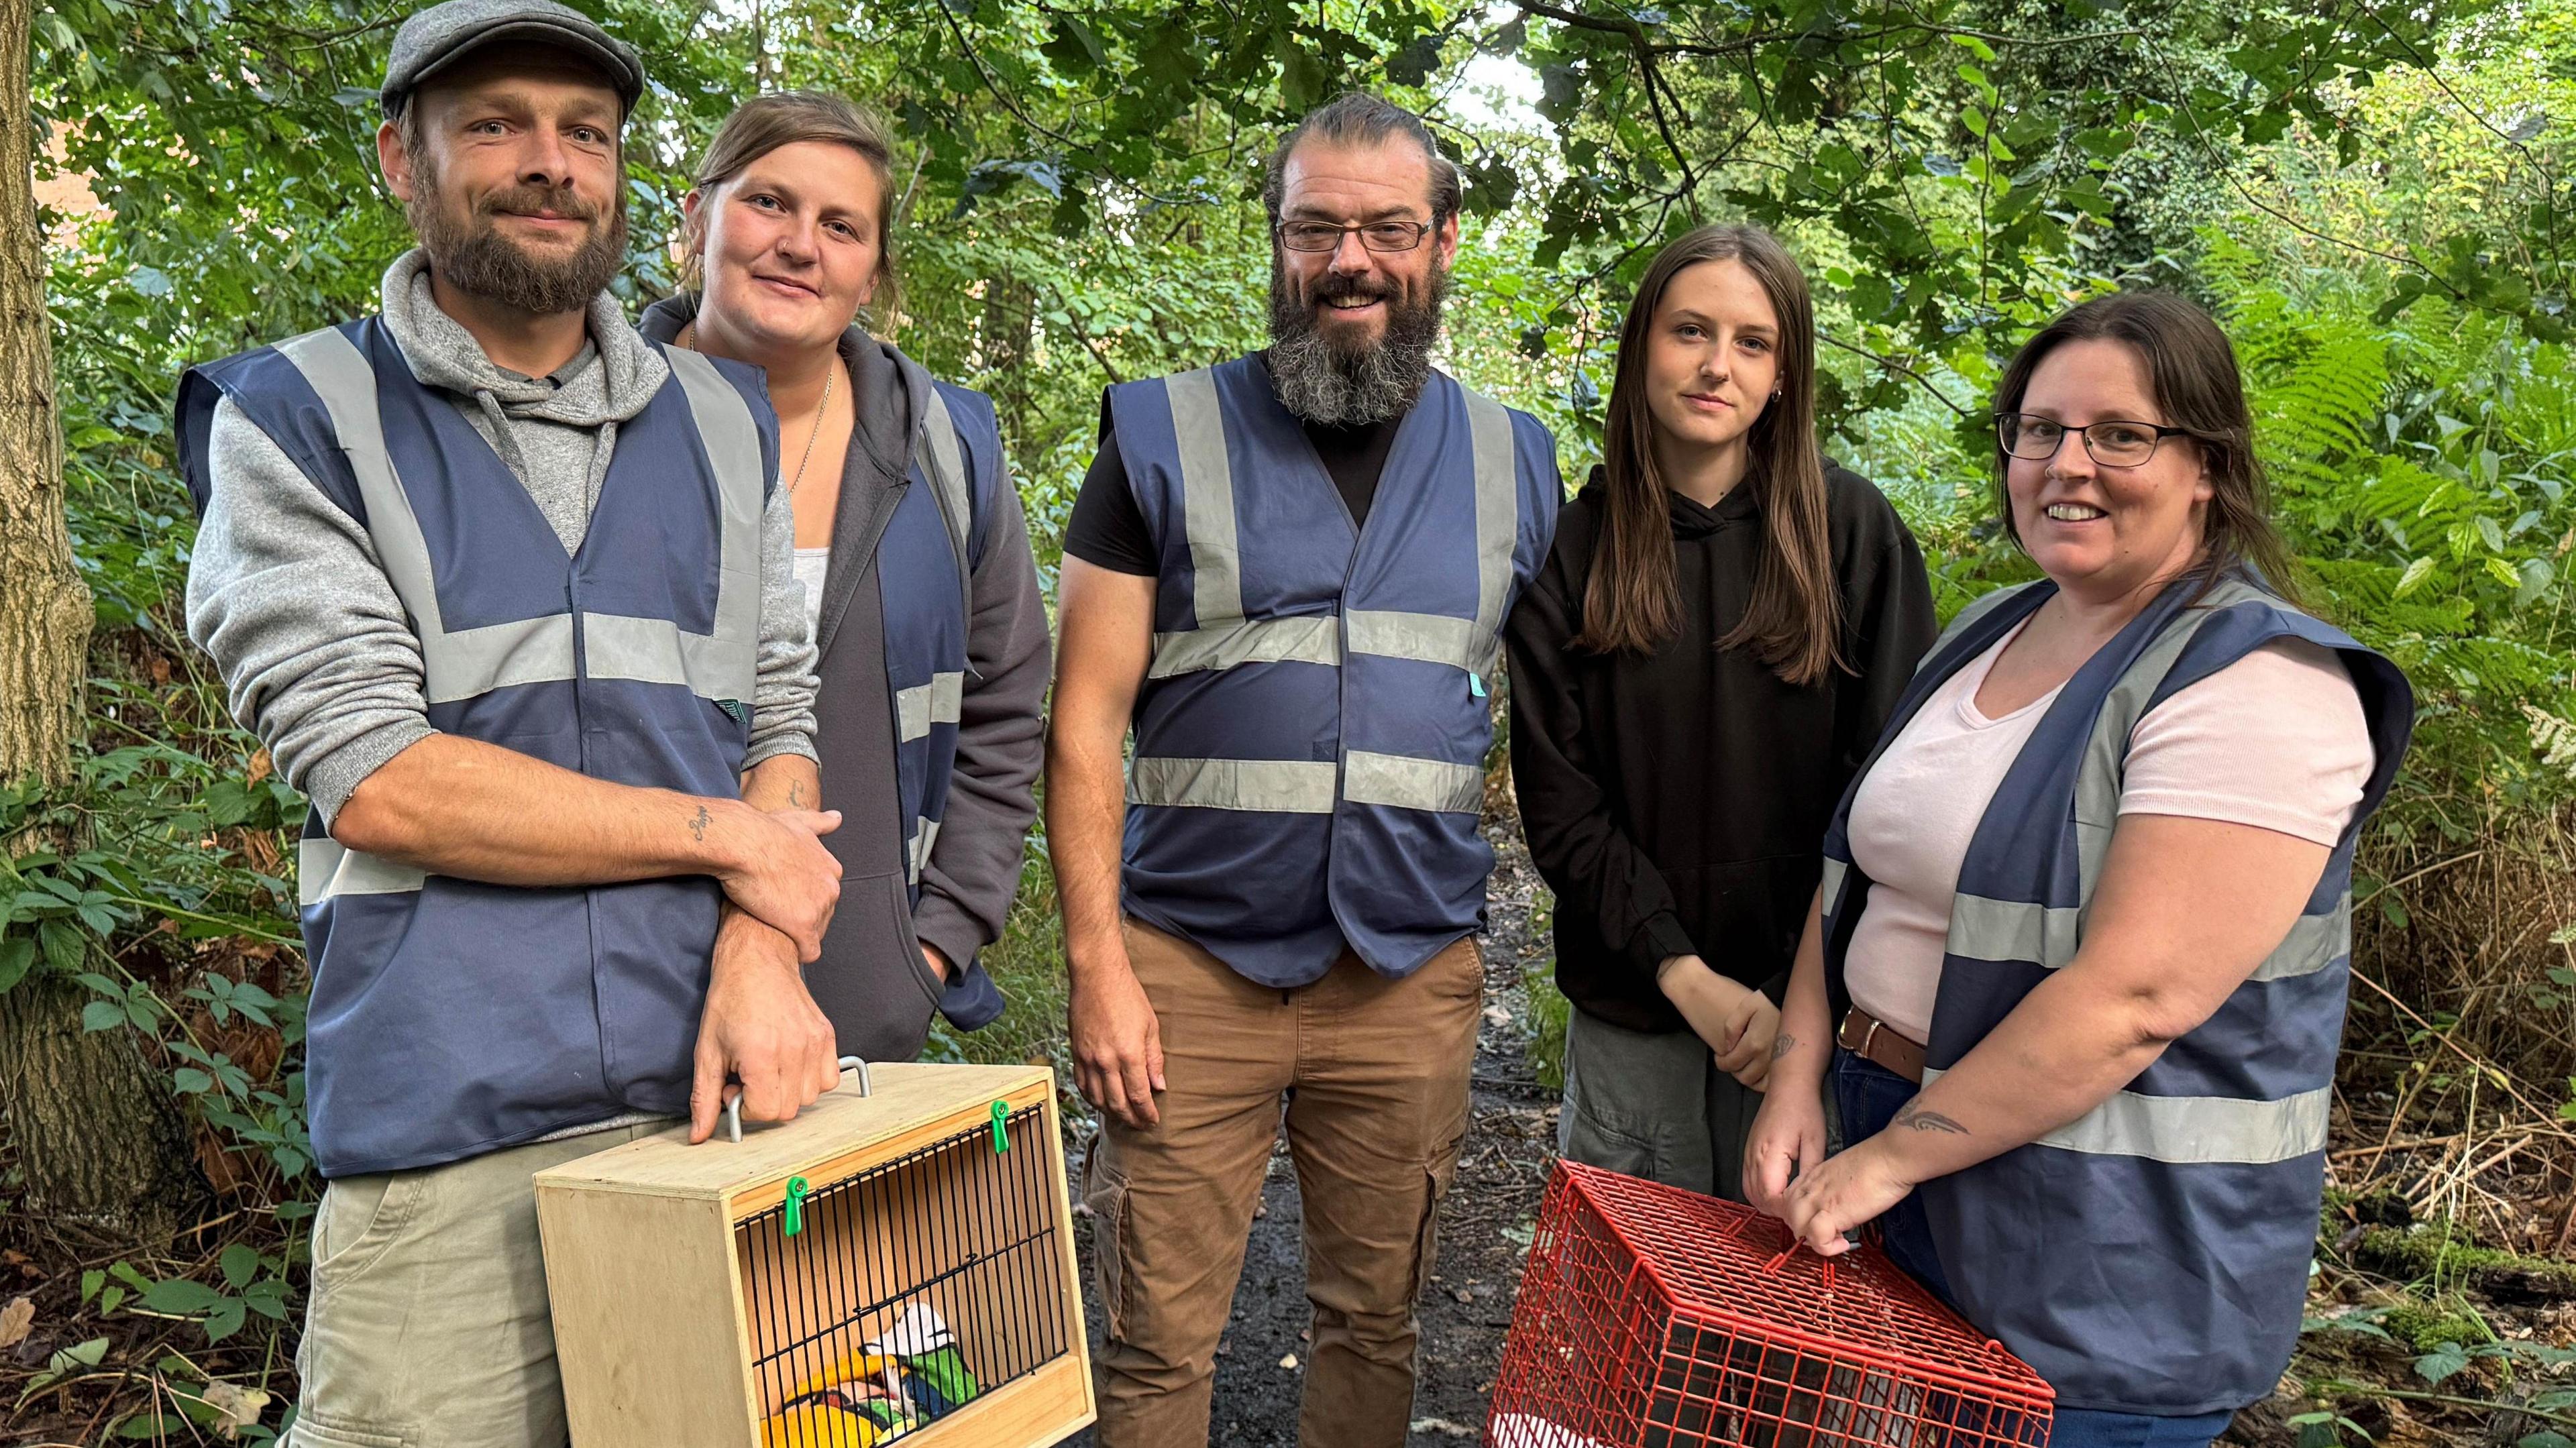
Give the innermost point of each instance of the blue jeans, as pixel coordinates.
(1869, 1096)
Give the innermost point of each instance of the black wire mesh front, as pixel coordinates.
(907, 1291)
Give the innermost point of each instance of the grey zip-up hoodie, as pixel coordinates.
(871, 979)
(286, 592)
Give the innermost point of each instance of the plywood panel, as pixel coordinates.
(1078, 1329)
(906, 1098)
(672, 1278)
(1038, 1411)
(850, 1160)
(647, 1330)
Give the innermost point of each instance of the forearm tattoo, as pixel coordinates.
(795, 794)
(1915, 1118)
(698, 825)
(1782, 1045)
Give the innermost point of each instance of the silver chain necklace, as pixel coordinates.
(808, 455)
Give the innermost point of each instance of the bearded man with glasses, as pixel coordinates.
(1288, 573)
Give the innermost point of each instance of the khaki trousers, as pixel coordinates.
(1379, 1070)
(428, 1326)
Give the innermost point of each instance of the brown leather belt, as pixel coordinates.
(1867, 1036)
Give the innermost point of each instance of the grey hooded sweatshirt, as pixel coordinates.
(871, 979)
(286, 592)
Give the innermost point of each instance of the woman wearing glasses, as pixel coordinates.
(1722, 626)
(2083, 944)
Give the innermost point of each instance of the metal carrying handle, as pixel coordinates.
(733, 1103)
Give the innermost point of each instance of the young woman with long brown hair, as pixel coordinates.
(1721, 629)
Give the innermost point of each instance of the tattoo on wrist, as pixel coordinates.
(1782, 1045)
(795, 794)
(1915, 1118)
(698, 825)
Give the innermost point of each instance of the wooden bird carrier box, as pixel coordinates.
(894, 1265)
(1651, 1317)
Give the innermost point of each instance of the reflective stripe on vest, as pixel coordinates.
(448, 1017)
(2149, 1256)
(1312, 729)
(925, 586)
(468, 662)
(1225, 639)
(2184, 1130)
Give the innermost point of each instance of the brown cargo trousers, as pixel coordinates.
(1380, 1072)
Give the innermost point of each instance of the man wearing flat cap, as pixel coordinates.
(509, 592)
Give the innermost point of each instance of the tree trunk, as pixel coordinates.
(1010, 327)
(97, 1131)
(44, 606)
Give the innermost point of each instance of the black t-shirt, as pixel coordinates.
(1107, 529)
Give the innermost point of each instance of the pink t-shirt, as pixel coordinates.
(2276, 739)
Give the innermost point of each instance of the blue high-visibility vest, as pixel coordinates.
(926, 563)
(2152, 1255)
(450, 1017)
(1311, 736)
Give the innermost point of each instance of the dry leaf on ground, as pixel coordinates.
(236, 1407)
(15, 1320)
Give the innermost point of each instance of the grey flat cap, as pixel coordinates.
(436, 38)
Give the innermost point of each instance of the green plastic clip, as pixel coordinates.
(796, 1190)
(1001, 1126)
(1475, 686)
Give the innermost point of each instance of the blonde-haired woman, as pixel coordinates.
(914, 556)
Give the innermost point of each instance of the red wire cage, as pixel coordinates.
(1651, 1317)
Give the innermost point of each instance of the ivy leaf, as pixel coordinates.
(1413, 65)
(1076, 48)
(1301, 74)
(2442, 1362)
(17, 957)
(240, 1263)
(102, 1016)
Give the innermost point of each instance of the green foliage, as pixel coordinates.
(1549, 1010)
(1078, 207)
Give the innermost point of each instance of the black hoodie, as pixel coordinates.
(1677, 802)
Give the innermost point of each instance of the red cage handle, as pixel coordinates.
(1792, 1250)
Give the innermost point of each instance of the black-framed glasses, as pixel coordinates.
(1375, 235)
(2113, 444)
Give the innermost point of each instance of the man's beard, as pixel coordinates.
(471, 255)
(1323, 382)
